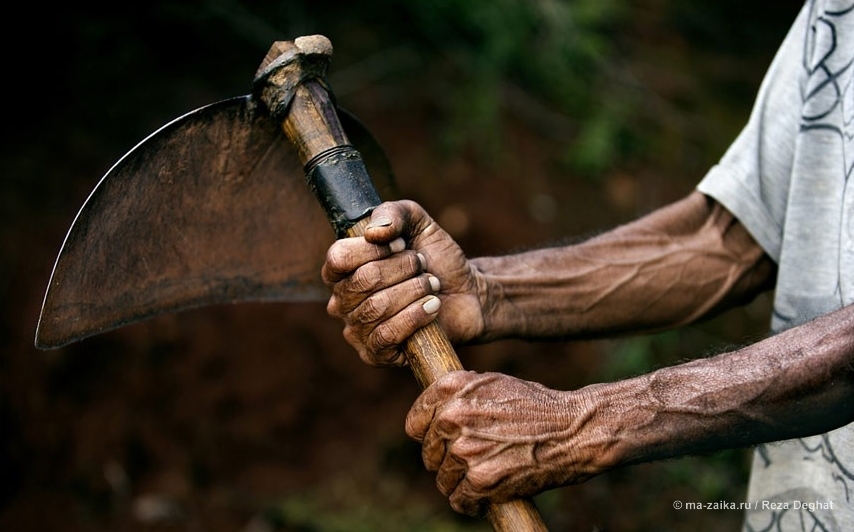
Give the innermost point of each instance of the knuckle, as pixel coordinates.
(413, 427)
(366, 278)
(411, 321)
(383, 338)
(337, 257)
(452, 411)
(373, 308)
(479, 480)
(367, 353)
(451, 383)
(447, 424)
(333, 307)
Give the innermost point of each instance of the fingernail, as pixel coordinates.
(381, 221)
(431, 306)
(435, 285)
(397, 245)
(421, 260)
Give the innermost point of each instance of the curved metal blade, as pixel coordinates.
(213, 207)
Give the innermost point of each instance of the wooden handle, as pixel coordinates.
(431, 355)
(311, 124)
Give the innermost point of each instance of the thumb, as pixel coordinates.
(394, 219)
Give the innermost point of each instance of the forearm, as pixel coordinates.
(797, 383)
(675, 266)
(492, 437)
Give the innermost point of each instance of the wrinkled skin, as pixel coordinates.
(479, 448)
(493, 437)
(379, 289)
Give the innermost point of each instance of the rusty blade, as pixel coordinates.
(211, 208)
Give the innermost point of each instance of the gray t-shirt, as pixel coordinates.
(786, 178)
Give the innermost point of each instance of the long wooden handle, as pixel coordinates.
(430, 355)
(311, 123)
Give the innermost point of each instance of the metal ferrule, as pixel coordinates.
(341, 183)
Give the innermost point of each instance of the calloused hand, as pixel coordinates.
(491, 438)
(393, 280)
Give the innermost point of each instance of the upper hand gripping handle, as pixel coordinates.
(291, 83)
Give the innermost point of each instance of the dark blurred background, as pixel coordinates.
(516, 123)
